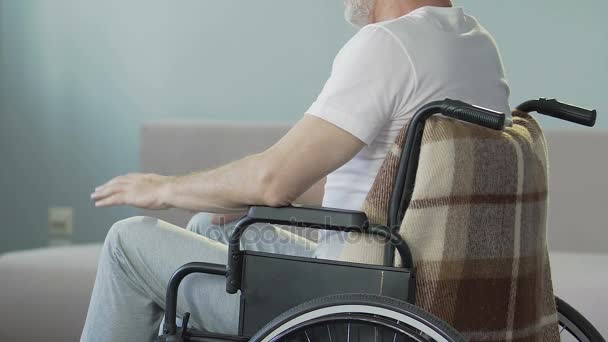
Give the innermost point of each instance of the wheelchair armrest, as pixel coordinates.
(313, 217)
(302, 216)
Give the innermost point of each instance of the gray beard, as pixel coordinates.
(358, 11)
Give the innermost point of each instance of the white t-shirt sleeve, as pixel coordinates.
(370, 78)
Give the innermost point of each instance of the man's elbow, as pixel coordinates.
(276, 199)
(275, 192)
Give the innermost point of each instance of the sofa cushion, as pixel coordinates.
(581, 280)
(45, 292)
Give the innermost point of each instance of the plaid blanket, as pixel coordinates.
(477, 229)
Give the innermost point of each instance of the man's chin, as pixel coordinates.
(357, 14)
(355, 20)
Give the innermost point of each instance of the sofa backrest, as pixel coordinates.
(578, 190)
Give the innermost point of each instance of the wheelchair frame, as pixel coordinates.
(250, 271)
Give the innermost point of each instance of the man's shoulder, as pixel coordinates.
(371, 40)
(392, 34)
(401, 24)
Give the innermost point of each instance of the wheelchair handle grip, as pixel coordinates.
(474, 114)
(560, 110)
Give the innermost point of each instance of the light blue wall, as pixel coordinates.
(551, 48)
(78, 78)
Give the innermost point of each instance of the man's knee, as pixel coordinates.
(202, 224)
(128, 229)
(199, 223)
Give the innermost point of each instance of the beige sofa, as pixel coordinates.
(52, 290)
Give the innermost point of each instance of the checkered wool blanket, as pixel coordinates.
(477, 228)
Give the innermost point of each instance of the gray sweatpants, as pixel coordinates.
(139, 256)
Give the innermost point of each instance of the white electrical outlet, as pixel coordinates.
(61, 221)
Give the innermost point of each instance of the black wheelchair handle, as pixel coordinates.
(473, 114)
(560, 110)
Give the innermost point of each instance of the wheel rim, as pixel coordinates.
(403, 327)
(382, 328)
(569, 331)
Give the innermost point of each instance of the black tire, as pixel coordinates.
(367, 306)
(577, 325)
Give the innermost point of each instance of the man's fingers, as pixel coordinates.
(118, 180)
(116, 191)
(114, 200)
(106, 184)
(106, 191)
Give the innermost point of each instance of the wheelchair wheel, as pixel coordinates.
(573, 326)
(356, 318)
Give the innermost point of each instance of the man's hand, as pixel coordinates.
(148, 191)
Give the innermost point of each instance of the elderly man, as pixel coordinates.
(406, 53)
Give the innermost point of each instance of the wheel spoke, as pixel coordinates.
(329, 333)
(348, 333)
(395, 337)
(307, 338)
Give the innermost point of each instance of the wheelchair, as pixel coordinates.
(326, 300)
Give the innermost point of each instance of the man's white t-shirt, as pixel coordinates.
(390, 69)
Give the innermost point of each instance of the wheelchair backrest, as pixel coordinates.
(476, 225)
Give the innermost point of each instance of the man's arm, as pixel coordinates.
(312, 149)
(312, 197)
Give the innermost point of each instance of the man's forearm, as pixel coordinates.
(230, 188)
